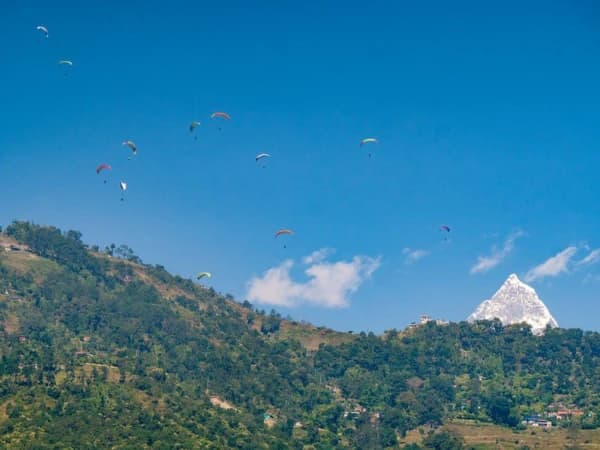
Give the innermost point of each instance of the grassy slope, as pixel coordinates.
(26, 262)
(487, 436)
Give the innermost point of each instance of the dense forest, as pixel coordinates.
(99, 350)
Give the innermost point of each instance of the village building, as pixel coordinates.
(537, 422)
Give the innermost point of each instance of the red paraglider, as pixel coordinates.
(222, 115)
(102, 167)
(282, 232)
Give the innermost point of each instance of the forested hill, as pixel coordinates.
(99, 350)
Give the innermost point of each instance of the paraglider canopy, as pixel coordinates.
(222, 115)
(369, 140)
(65, 62)
(102, 167)
(261, 156)
(43, 29)
(445, 228)
(203, 275)
(283, 231)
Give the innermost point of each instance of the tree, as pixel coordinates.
(270, 324)
(443, 440)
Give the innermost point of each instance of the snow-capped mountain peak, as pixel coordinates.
(515, 302)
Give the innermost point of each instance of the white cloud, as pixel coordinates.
(329, 284)
(275, 287)
(413, 255)
(485, 263)
(553, 266)
(592, 258)
(317, 256)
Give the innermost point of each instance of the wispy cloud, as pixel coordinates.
(553, 266)
(318, 255)
(592, 258)
(329, 284)
(485, 263)
(413, 255)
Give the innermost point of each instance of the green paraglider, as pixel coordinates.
(193, 126)
(369, 140)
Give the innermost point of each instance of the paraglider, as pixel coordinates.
(123, 187)
(446, 230)
(131, 146)
(222, 115)
(67, 64)
(203, 275)
(43, 29)
(369, 140)
(283, 231)
(262, 156)
(102, 167)
(193, 126)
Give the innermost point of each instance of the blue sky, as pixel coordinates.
(487, 119)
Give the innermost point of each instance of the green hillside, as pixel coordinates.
(99, 350)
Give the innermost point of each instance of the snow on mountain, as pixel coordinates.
(515, 302)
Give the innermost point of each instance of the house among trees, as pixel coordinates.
(424, 319)
(537, 421)
(562, 412)
(356, 411)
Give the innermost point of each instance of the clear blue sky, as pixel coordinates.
(488, 120)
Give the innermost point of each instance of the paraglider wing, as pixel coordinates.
(102, 167)
(445, 228)
(261, 156)
(204, 274)
(65, 62)
(283, 231)
(131, 145)
(43, 29)
(369, 140)
(123, 186)
(193, 125)
(222, 115)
